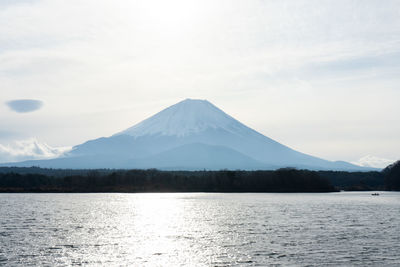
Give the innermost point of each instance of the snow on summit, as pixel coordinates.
(184, 118)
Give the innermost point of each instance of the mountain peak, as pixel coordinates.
(190, 103)
(186, 117)
(192, 100)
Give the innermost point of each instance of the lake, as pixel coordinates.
(200, 229)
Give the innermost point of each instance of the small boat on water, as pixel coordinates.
(375, 194)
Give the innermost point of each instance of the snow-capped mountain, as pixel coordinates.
(187, 117)
(192, 134)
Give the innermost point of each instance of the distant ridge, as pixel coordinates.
(190, 135)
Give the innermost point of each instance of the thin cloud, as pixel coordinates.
(24, 105)
(372, 161)
(30, 149)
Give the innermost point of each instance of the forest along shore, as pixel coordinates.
(105, 180)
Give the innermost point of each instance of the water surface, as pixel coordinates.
(200, 229)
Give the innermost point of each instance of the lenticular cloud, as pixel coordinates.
(24, 105)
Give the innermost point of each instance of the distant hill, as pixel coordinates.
(392, 176)
(190, 135)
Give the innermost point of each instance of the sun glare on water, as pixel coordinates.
(162, 217)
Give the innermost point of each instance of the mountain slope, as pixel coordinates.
(192, 134)
(196, 155)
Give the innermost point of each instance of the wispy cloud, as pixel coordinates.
(24, 105)
(375, 162)
(29, 149)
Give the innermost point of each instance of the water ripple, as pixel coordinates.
(346, 229)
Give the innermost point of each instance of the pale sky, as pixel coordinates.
(322, 77)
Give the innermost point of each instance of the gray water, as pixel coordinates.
(199, 229)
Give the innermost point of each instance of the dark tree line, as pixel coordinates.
(107, 180)
(284, 180)
(355, 181)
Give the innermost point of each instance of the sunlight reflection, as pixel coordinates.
(159, 220)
